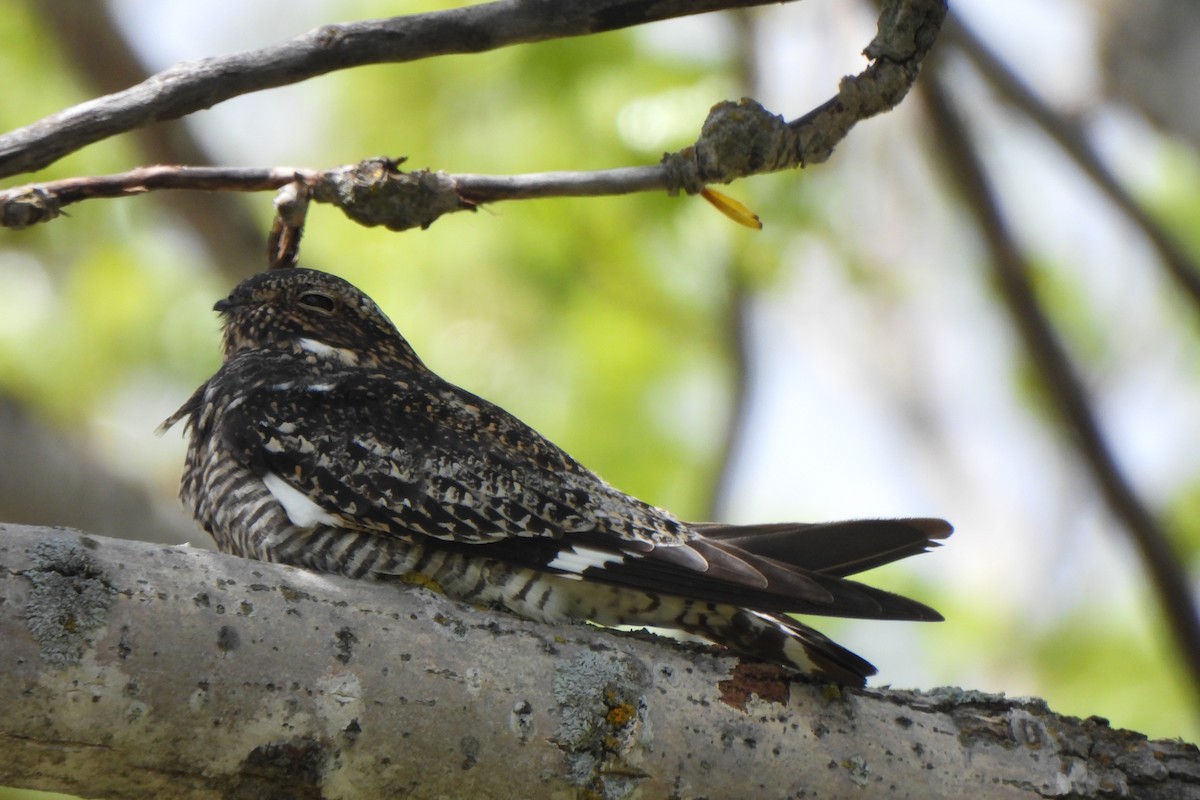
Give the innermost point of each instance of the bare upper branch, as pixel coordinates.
(737, 140)
(196, 85)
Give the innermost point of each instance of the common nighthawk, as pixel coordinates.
(324, 442)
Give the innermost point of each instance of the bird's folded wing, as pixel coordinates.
(428, 461)
(438, 462)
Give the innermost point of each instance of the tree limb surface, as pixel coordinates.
(138, 670)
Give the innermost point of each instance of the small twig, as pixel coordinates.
(1012, 275)
(23, 206)
(367, 191)
(1180, 265)
(291, 210)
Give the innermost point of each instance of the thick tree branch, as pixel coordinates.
(736, 141)
(137, 670)
(1011, 274)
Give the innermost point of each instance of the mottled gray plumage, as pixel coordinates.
(324, 442)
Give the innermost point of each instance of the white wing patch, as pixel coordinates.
(301, 510)
(578, 558)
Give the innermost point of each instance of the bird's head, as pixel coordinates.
(314, 314)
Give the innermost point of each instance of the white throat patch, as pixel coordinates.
(347, 357)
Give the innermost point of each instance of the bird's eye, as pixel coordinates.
(317, 302)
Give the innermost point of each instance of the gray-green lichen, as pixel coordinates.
(69, 599)
(601, 716)
(860, 773)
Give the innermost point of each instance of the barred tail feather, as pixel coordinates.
(779, 639)
(812, 652)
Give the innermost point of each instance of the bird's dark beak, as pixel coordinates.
(224, 306)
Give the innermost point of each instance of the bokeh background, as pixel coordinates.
(851, 359)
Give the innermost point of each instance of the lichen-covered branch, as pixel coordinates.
(737, 140)
(138, 670)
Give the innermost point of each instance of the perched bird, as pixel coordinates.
(324, 442)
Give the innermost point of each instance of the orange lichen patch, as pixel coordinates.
(619, 716)
(768, 681)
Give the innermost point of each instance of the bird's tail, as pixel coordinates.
(832, 548)
(824, 553)
(776, 638)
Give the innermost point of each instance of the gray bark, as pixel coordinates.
(140, 670)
